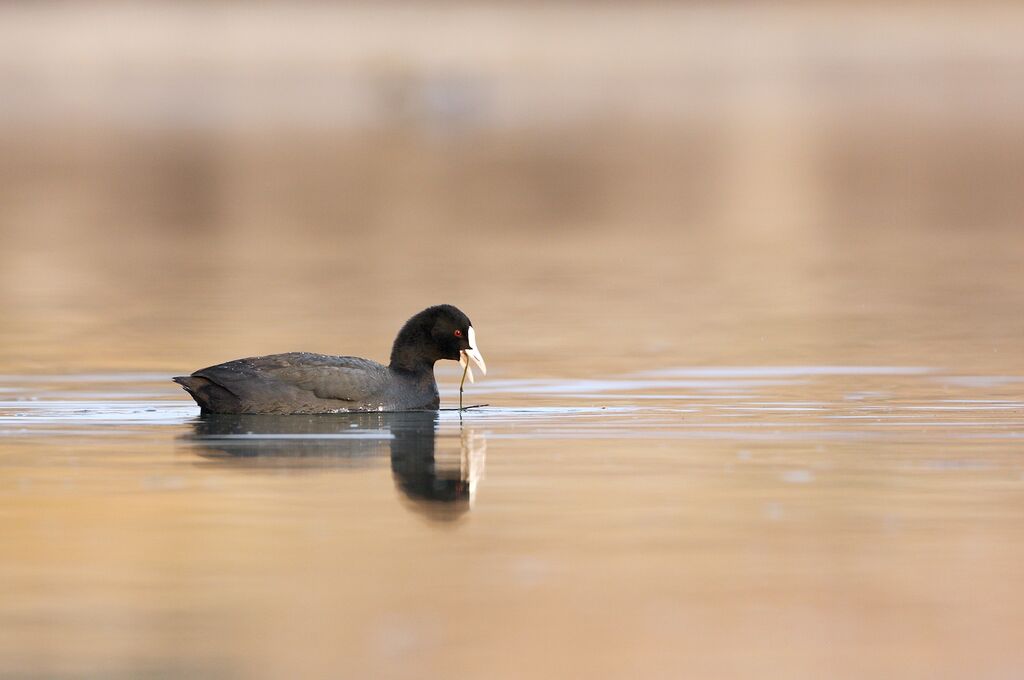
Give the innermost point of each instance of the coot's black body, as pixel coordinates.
(301, 382)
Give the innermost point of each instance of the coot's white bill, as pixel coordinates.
(474, 354)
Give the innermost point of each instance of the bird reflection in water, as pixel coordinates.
(437, 475)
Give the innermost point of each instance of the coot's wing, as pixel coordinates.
(327, 377)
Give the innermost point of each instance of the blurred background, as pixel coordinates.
(185, 182)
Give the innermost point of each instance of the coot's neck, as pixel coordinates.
(413, 350)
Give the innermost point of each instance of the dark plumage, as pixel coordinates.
(301, 382)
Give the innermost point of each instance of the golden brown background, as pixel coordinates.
(272, 173)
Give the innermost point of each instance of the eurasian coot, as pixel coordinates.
(301, 382)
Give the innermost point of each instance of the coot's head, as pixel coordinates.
(440, 332)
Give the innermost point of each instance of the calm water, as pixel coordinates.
(825, 520)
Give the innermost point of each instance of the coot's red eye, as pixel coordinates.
(458, 333)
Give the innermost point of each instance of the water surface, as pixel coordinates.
(702, 518)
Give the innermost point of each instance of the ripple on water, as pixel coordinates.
(741, 403)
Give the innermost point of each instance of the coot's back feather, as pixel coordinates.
(295, 382)
(327, 377)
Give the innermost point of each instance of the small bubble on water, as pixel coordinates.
(159, 482)
(772, 511)
(797, 476)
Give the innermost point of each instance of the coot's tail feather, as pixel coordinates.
(210, 396)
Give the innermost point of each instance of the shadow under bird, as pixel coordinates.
(302, 382)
